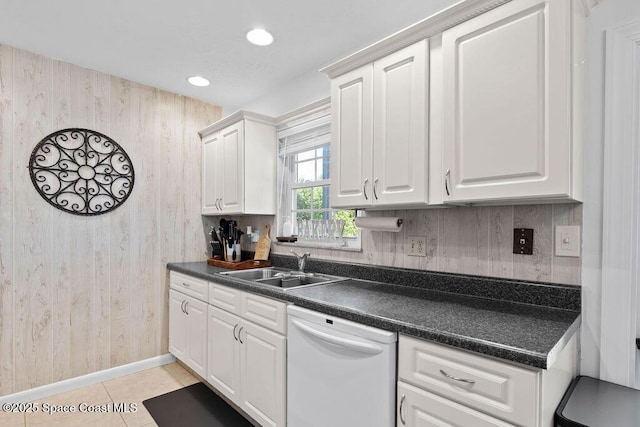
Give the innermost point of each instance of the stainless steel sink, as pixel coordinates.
(256, 273)
(282, 278)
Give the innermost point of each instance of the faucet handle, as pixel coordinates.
(303, 256)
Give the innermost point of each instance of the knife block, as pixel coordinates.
(238, 250)
(217, 250)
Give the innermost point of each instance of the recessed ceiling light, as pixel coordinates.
(260, 37)
(198, 81)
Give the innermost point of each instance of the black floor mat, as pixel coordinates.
(193, 406)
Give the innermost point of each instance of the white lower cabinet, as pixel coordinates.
(442, 386)
(188, 330)
(247, 362)
(263, 374)
(419, 408)
(224, 353)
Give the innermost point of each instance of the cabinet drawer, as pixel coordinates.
(419, 408)
(189, 285)
(224, 297)
(500, 389)
(264, 311)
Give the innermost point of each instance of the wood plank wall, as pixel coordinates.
(467, 240)
(78, 295)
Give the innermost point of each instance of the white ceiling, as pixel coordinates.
(161, 42)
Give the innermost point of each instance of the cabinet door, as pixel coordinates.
(507, 110)
(232, 147)
(419, 408)
(210, 171)
(263, 311)
(177, 325)
(400, 137)
(263, 374)
(501, 389)
(351, 138)
(223, 368)
(197, 335)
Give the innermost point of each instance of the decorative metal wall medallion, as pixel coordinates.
(81, 171)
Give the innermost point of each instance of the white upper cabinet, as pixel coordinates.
(400, 139)
(351, 137)
(232, 167)
(239, 165)
(379, 132)
(480, 103)
(211, 176)
(507, 106)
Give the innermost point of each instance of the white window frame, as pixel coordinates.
(303, 130)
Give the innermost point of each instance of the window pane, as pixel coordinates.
(303, 215)
(306, 171)
(303, 198)
(324, 196)
(322, 168)
(306, 155)
(350, 229)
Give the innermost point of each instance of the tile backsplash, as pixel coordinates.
(468, 240)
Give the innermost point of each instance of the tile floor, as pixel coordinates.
(130, 389)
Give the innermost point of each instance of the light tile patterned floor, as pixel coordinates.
(130, 389)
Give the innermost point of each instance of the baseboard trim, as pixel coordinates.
(85, 380)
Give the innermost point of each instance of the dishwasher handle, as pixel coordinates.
(339, 341)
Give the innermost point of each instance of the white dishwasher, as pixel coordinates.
(339, 373)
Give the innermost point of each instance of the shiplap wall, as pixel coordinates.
(77, 294)
(468, 240)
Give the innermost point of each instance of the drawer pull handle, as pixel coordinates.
(186, 306)
(400, 411)
(234, 332)
(182, 306)
(462, 380)
(185, 284)
(239, 332)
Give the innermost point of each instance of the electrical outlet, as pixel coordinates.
(417, 246)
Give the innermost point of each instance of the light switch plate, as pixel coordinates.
(568, 240)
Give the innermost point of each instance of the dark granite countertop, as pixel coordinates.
(524, 333)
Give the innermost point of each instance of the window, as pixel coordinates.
(305, 186)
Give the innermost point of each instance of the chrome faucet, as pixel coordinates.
(302, 259)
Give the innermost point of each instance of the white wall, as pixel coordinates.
(608, 14)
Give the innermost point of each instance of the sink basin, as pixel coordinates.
(282, 278)
(295, 281)
(256, 273)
